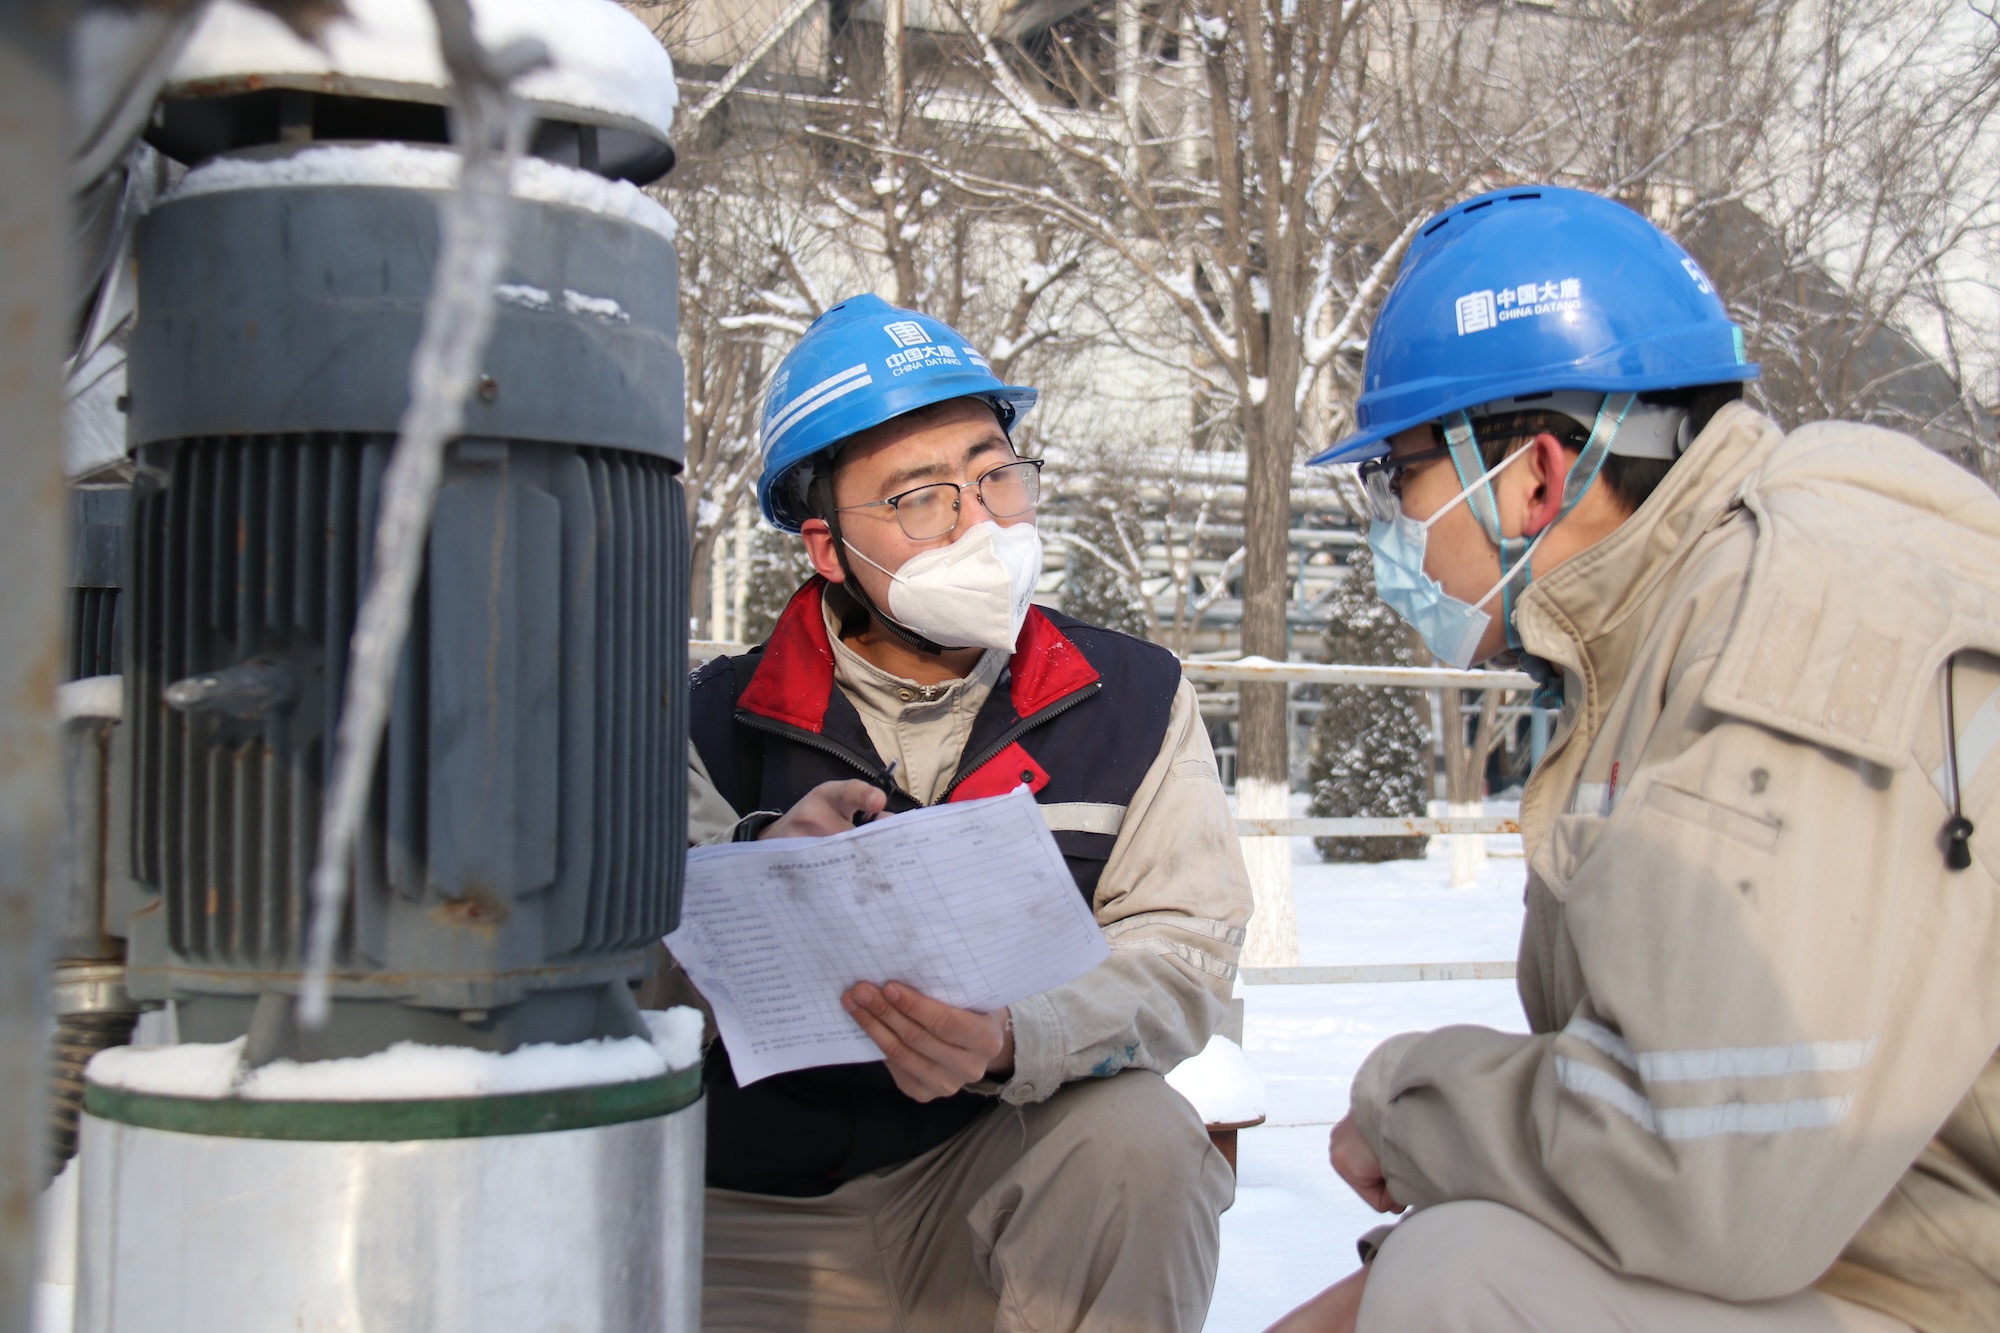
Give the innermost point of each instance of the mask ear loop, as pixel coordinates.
(1463, 442)
(1473, 474)
(1520, 572)
(1477, 481)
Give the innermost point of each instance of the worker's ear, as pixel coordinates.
(1544, 472)
(820, 549)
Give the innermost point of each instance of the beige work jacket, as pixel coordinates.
(1172, 900)
(1764, 1012)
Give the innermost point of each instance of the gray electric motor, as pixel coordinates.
(524, 841)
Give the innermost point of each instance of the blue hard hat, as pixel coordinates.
(1533, 289)
(862, 363)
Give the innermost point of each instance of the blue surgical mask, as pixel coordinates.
(1450, 627)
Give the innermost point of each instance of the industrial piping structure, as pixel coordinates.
(522, 844)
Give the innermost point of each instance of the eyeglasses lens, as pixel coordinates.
(1010, 491)
(1380, 483)
(929, 512)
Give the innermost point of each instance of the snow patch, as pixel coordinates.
(193, 1069)
(414, 167)
(601, 307)
(1221, 1084)
(603, 58)
(676, 1034)
(523, 295)
(93, 696)
(407, 1071)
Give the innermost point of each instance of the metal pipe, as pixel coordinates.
(594, 1230)
(35, 300)
(1317, 673)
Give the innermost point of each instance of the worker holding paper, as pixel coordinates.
(1023, 1168)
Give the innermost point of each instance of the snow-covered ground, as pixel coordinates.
(1293, 1227)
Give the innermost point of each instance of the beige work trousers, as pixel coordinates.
(1478, 1267)
(1098, 1209)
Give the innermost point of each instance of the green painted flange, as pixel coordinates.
(443, 1118)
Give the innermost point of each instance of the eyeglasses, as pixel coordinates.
(1382, 479)
(929, 512)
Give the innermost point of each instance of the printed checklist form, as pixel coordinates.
(969, 903)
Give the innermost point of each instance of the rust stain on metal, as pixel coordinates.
(478, 910)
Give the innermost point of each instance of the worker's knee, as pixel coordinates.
(1132, 1138)
(1138, 1127)
(1458, 1267)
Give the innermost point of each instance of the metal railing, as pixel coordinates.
(1352, 973)
(1421, 678)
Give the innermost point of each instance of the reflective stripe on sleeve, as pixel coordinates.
(1698, 1065)
(1083, 816)
(1700, 1122)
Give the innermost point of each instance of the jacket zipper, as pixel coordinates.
(1019, 729)
(881, 777)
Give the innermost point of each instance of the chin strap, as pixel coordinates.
(857, 597)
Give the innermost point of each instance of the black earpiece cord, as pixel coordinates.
(1957, 829)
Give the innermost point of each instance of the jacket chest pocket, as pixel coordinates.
(1562, 849)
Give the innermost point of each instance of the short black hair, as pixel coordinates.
(815, 474)
(1631, 480)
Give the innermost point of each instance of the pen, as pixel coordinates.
(888, 784)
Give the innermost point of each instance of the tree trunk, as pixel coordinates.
(1263, 759)
(895, 245)
(1263, 767)
(701, 552)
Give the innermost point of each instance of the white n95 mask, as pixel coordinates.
(973, 593)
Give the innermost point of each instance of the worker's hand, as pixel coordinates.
(1355, 1162)
(828, 808)
(932, 1049)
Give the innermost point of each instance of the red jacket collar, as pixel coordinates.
(795, 679)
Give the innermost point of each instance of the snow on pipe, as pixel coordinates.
(458, 321)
